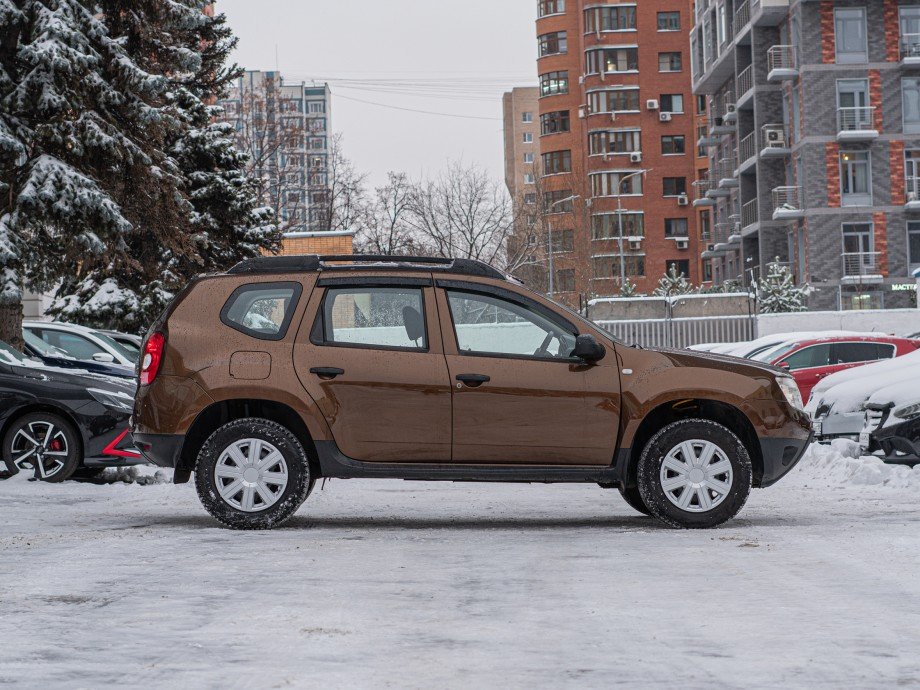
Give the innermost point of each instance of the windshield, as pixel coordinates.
(45, 349)
(118, 347)
(10, 355)
(776, 352)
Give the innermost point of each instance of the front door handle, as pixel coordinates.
(473, 380)
(327, 372)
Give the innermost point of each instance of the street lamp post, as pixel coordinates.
(620, 223)
(549, 238)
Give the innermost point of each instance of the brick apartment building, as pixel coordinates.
(615, 99)
(814, 143)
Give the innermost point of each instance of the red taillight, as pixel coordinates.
(151, 357)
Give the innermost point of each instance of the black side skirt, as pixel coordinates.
(336, 465)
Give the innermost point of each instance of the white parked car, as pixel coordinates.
(80, 342)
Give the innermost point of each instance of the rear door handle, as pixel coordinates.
(473, 380)
(327, 372)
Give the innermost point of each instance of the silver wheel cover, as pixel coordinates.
(40, 446)
(251, 475)
(696, 476)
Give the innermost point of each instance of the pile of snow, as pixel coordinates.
(141, 475)
(840, 465)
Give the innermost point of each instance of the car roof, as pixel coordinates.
(848, 339)
(315, 263)
(59, 324)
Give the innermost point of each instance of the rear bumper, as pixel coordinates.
(779, 456)
(162, 450)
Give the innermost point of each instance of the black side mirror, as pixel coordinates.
(588, 349)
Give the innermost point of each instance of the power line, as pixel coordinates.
(424, 112)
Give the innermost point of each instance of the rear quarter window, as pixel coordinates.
(262, 310)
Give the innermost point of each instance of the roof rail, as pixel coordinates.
(350, 262)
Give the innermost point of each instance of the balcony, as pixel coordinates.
(861, 267)
(747, 152)
(702, 186)
(720, 237)
(781, 63)
(742, 18)
(716, 190)
(856, 124)
(727, 179)
(703, 138)
(744, 84)
(912, 194)
(749, 214)
(775, 141)
(788, 203)
(729, 113)
(717, 123)
(910, 50)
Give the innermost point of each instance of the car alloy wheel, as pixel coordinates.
(40, 446)
(251, 475)
(696, 475)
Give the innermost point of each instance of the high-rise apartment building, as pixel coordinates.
(285, 129)
(814, 143)
(522, 149)
(617, 140)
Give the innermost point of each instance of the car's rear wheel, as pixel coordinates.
(252, 474)
(694, 473)
(44, 444)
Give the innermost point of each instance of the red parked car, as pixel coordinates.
(811, 360)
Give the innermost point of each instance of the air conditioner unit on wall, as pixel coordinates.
(683, 243)
(729, 107)
(683, 200)
(775, 137)
(664, 117)
(652, 104)
(635, 157)
(635, 243)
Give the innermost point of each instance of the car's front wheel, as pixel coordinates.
(44, 444)
(694, 473)
(252, 474)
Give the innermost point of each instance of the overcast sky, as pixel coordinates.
(440, 56)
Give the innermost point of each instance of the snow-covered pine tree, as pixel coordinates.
(82, 161)
(223, 223)
(673, 283)
(628, 289)
(777, 292)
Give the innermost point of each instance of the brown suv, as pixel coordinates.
(289, 369)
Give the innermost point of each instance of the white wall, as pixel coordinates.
(890, 321)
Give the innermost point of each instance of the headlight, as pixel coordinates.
(114, 400)
(789, 388)
(908, 411)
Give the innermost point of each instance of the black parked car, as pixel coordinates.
(899, 442)
(53, 357)
(54, 422)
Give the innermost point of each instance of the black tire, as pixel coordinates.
(696, 516)
(634, 499)
(54, 468)
(295, 492)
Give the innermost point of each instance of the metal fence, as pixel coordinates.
(682, 332)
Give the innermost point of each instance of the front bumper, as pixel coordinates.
(899, 443)
(779, 456)
(839, 425)
(162, 450)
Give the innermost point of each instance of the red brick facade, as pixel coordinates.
(828, 49)
(657, 250)
(896, 165)
(892, 31)
(875, 98)
(880, 229)
(832, 160)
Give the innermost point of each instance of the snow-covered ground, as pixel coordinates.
(394, 584)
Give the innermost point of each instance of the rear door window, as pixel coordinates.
(848, 353)
(262, 310)
(374, 317)
(807, 357)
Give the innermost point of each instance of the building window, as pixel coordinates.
(850, 34)
(672, 144)
(527, 117)
(669, 62)
(616, 100)
(855, 179)
(618, 18)
(858, 243)
(671, 102)
(669, 21)
(676, 227)
(555, 43)
(913, 245)
(614, 141)
(611, 183)
(606, 267)
(912, 174)
(528, 158)
(563, 241)
(555, 162)
(606, 226)
(910, 95)
(674, 186)
(705, 226)
(530, 198)
(682, 266)
(528, 178)
(548, 7)
(553, 83)
(611, 60)
(317, 107)
(527, 137)
(910, 31)
(565, 280)
(853, 95)
(555, 122)
(559, 201)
